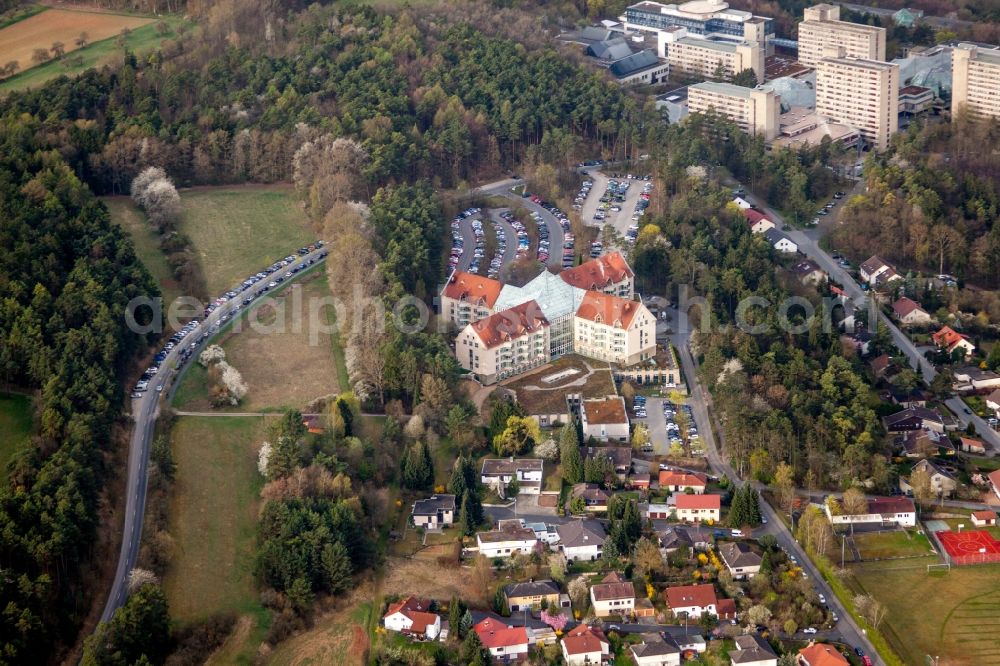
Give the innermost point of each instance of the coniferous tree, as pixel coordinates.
(569, 454)
(456, 609)
(337, 567)
(473, 651)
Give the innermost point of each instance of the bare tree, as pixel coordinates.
(11, 68)
(58, 49)
(40, 55)
(81, 40)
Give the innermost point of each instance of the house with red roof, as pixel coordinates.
(504, 642)
(412, 617)
(909, 312)
(681, 482)
(697, 508)
(612, 596)
(948, 339)
(885, 511)
(758, 221)
(821, 654)
(692, 600)
(994, 478)
(984, 518)
(585, 646)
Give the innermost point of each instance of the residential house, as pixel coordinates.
(972, 378)
(498, 473)
(659, 511)
(984, 518)
(950, 340)
(505, 642)
(682, 482)
(758, 221)
(994, 479)
(919, 443)
(909, 312)
(915, 418)
(752, 650)
(859, 341)
(943, 483)
(581, 540)
(742, 203)
(808, 272)
(507, 540)
(655, 650)
(993, 401)
(913, 397)
(544, 532)
(691, 643)
(605, 419)
(742, 562)
(595, 499)
(692, 600)
(880, 365)
(675, 537)
(872, 268)
(885, 511)
(585, 645)
(821, 654)
(538, 631)
(620, 457)
(434, 512)
(534, 595)
(780, 241)
(697, 508)
(613, 596)
(639, 480)
(726, 609)
(413, 617)
(970, 445)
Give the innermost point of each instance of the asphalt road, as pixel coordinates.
(468, 243)
(502, 188)
(144, 413)
(510, 236)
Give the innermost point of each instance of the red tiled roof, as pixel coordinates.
(583, 640)
(606, 411)
(698, 502)
(510, 324)
(893, 505)
(494, 635)
(754, 216)
(994, 478)
(691, 595)
(607, 309)
(726, 608)
(984, 515)
(616, 589)
(673, 478)
(415, 609)
(598, 273)
(473, 288)
(821, 654)
(947, 337)
(905, 306)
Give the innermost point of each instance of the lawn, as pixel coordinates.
(592, 380)
(954, 614)
(895, 544)
(286, 362)
(147, 244)
(18, 41)
(236, 231)
(15, 427)
(213, 518)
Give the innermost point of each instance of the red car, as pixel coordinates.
(866, 660)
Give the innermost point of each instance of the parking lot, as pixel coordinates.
(620, 219)
(667, 423)
(555, 222)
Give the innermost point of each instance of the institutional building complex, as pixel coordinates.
(696, 57)
(755, 111)
(822, 29)
(863, 94)
(507, 330)
(712, 19)
(976, 80)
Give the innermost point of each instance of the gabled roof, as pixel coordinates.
(583, 639)
(510, 324)
(599, 273)
(775, 236)
(654, 645)
(994, 478)
(496, 635)
(754, 216)
(873, 264)
(607, 309)
(905, 306)
(932, 468)
(579, 533)
(473, 288)
(984, 515)
(613, 588)
(821, 654)
(683, 596)
(669, 477)
(633, 63)
(890, 505)
(738, 555)
(609, 49)
(620, 456)
(431, 505)
(606, 411)
(590, 492)
(751, 648)
(947, 337)
(806, 267)
(994, 397)
(417, 611)
(531, 588)
(698, 501)
(922, 413)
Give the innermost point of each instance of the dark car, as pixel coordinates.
(858, 651)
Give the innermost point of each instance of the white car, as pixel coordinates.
(809, 630)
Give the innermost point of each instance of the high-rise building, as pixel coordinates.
(861, 93)
(975, 81)
(821, 28)
(706, 58)
(755, 111)
(704, 18)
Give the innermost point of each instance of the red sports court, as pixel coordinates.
(972, 547)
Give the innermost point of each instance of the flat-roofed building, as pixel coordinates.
(863, 94)
(707, 18)
(801, 126)
(821, 28)
(975, 80)
(755, 111)
(705, 58)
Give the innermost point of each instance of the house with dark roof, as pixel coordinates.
(943, 482)
(915, 418)
(871, 269)
(595, 499)
(499, 472)
(752, 650)
(434, 512)
(534, 595)
(742, 562)
(919, 443)
(973, 378)
(581, 539)
(780, 241)
(656, 650)
(808, 272)
(620, 457)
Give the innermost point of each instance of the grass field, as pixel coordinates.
(17, 15)
(15, 427)
(592, 380)
(213, 517)
(885, 545)
(285, 368)
(954, 614)
(222, 221)
(19, 41)
(147, 244)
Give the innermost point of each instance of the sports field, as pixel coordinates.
(236, 231)
(19, 41)
(951, 614)
(894, 544)
(213, 518)
(970, 546)
(15, 427)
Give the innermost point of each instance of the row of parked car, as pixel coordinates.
(673, 430)
(544, 247)
(191, 335)
(458, 243)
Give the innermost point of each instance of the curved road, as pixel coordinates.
(510, 236)
(144, 413)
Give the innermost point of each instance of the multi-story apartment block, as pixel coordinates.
(861, 93)
(821, 29)
(705, 58)
(524, 327)
(975, 80)
(755, 111)
(706, 18)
